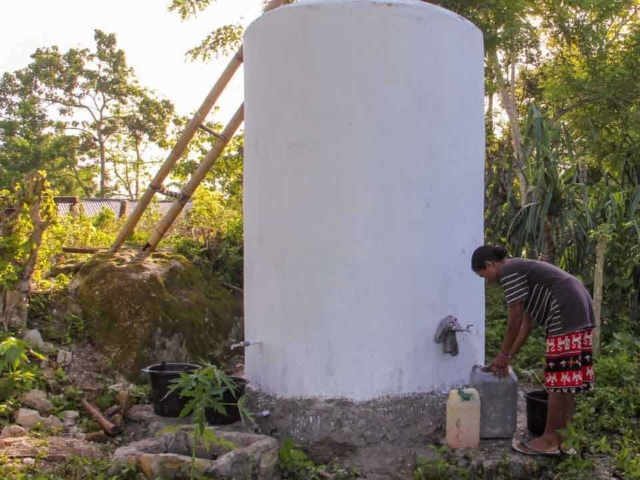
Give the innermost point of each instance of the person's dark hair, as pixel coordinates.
(487, 253)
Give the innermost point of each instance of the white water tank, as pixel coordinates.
(364, 195)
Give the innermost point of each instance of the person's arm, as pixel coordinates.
(500, 364)
(516, 316)
(525, 330)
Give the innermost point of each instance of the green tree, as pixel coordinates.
(96, 95)
(30, 141)
(222, 41)
(26, 211)
(140, 143)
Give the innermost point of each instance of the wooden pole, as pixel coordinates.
(598, 283)
(183, 142)
(273, 4)
(107, 426)
(195, 180)
(82, 250)
(124, 209)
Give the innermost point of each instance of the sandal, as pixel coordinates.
(571, 452)
(524, 447)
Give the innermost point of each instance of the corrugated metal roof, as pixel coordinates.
(92, 206)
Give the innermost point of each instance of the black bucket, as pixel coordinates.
(161, 382)
(537, 402)
(233, 414)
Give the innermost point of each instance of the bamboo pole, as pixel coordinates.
(178, 150)
(195, 180)
(183, 141)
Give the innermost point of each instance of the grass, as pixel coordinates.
(75, 468)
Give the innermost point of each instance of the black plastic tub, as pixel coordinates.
(232, 412)
(161, 377)
(537, 403)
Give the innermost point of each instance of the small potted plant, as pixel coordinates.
(212, 395)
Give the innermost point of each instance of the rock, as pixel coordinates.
(64, 358)
(29, 461)
(124, 400)
(52, 422)
(97, 437)
(49, 347)
(37, 399)
(141, 312)
(54, 448)
(142, 422)
(169, 456)
(69, 391)
(48, 373)
(120, 387)
(11, 431)
(34, 339)
(54, 387)
(67, 269)
(117, 419)
(28, 418)
(70, 415)
(45, 364)
(112, 410)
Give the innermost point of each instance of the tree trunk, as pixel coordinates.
(549, 248)
(103, 169)
(489, 116)
(598, 282)
(635, 275)
(137, 172)
(13, 309)
(507, 95)
(14, 303)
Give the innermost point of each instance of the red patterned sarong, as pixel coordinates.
(569, 366)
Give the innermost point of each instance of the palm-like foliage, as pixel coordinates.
(551, 222)
(565, 214)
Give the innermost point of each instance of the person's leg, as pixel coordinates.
(586, 369)
(550, 439)
(569, 411)
(570, 408)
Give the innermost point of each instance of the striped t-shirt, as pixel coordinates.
(554, 299)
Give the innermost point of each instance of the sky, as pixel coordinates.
(154, 40)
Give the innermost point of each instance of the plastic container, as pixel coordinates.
(499, 410)
(161, 377)
(232, 413)
(537, 403)
(463, 419)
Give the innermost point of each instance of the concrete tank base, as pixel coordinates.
(403, 420)
(386, 438)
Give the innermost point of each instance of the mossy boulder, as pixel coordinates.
(145, 311)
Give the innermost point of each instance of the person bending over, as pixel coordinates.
(539, 294)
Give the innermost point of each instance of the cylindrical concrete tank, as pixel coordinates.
(364, 197)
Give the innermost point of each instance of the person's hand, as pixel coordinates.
(500, 365)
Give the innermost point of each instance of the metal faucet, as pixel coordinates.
(243, 344)
(460, 329)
